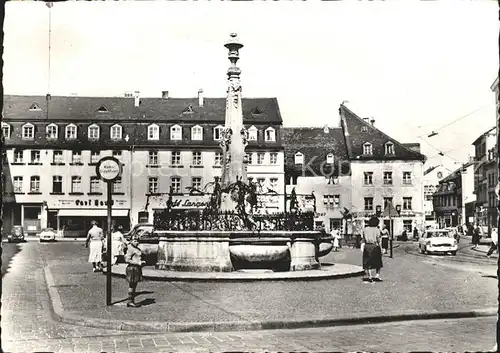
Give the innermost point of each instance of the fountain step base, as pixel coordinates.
(326, 271)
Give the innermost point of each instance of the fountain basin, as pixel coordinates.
(225, 251)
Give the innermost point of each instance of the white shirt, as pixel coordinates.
(494, 236)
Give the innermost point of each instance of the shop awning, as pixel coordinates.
(91, 213)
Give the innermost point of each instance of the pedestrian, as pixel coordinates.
(134, 269)
(118, 244)
(494, 242)
(335, 236)
(476, 235)
(415, 233)
(372, 254)
(385, 239)
(95, 237)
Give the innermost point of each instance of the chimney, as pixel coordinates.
(372, 121)
(136, 99)
(164, 94)
(326, 130)
(200, 97)
(366, 120)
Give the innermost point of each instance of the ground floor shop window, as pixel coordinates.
(408, 225)
(335, 224)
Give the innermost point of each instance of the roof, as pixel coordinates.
(427, 171)
(315, 144)
(358, 132)
(456, 173)
(483, 135)
(75, 108)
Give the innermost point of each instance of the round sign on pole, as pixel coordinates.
(108, 169)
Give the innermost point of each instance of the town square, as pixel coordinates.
(327, 180)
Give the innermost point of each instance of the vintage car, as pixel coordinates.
(48, 234)
(437, 241)
(17, 234)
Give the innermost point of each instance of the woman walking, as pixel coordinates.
(372, 255)
(95, 238)
(134, 269)
(118, 244)
(335, 235)
(385, 239)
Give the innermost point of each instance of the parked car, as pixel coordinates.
(437, 241)
(148, 241)
(143, 230)
(17, 234)
(48, 234)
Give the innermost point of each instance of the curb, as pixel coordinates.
(156, 326)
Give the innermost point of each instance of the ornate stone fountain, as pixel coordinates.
(229, 234)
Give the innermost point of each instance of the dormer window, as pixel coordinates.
(329, 158)
(153, 132)
(218, 132)
(5, 130)
(116, 132)
(188, 109)
(270, 135)
(35, 107)
(28, 131)
(93, 132)
(176, 132)
(252, 133)
(389, 148)
(102, 109)
(197, 133)
(51, 131)
(70, 133)
(367, 149)
(299, 158)
(364, 129)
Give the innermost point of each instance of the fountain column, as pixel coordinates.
(234, 135)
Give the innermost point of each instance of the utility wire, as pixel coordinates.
(439, 150)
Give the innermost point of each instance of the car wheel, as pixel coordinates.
(453, 253)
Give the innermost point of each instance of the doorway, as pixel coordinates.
(32, 219)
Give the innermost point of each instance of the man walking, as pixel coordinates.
(494, 242)
(476, 235)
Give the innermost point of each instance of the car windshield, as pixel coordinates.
(17, 230)
(438, 235)
(48, 230)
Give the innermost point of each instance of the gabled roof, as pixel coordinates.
(315, 144)
(75, 108)
(456, 173)
(483, 135)
(353, 125)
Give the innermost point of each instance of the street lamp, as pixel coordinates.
(432, 134)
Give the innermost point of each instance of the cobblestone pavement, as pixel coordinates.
(27, 326)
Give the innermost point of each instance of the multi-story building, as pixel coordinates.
(486, 178)
(317, 168)
(52, 146)
(452, 197)
(432, 177)
(495, 88)
(383, 171)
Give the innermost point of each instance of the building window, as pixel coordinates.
(18, 156)
(76, 184)
(18, 184)
(387, 200)
(116, 132)
(51, 131)
(197, 133)
(329, 158)
(273, 158)
(270, 135)
(93, 132)
(196, 183)
(368, 203)
(249, 158)
(389, 148)
(218, 158)
(197, 158)
(252, 133)
(176, 158)
(260, 158)
(28, 131)
(35, 156)
(153, 132)
(407, 203)
(57, 157)
(299, 158)
(368, 180)
(367, 149)
(6, 130)
(153, 158)
(76, 157)
(153, 185)
(117, 154)
(407, 224)
(261, 182)
(176, 132)
(331, 201)
(95, 156)
(95, 185)
(57, 184)
(273, 184)
(387, 178)
(218, 132)
(117, 185)
(35, 184)
(407, 178)
(71, 132)
(176, 185)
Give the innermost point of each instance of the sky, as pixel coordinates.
(413, 66)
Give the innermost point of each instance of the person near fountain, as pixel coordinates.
(335, 236)
(118, 244)
(372, 254)
(385, 239)
(134, 269)
(95, 238)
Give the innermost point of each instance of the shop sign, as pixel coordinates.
(88, 203)
(181, 202)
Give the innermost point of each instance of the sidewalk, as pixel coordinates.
(78, 297)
